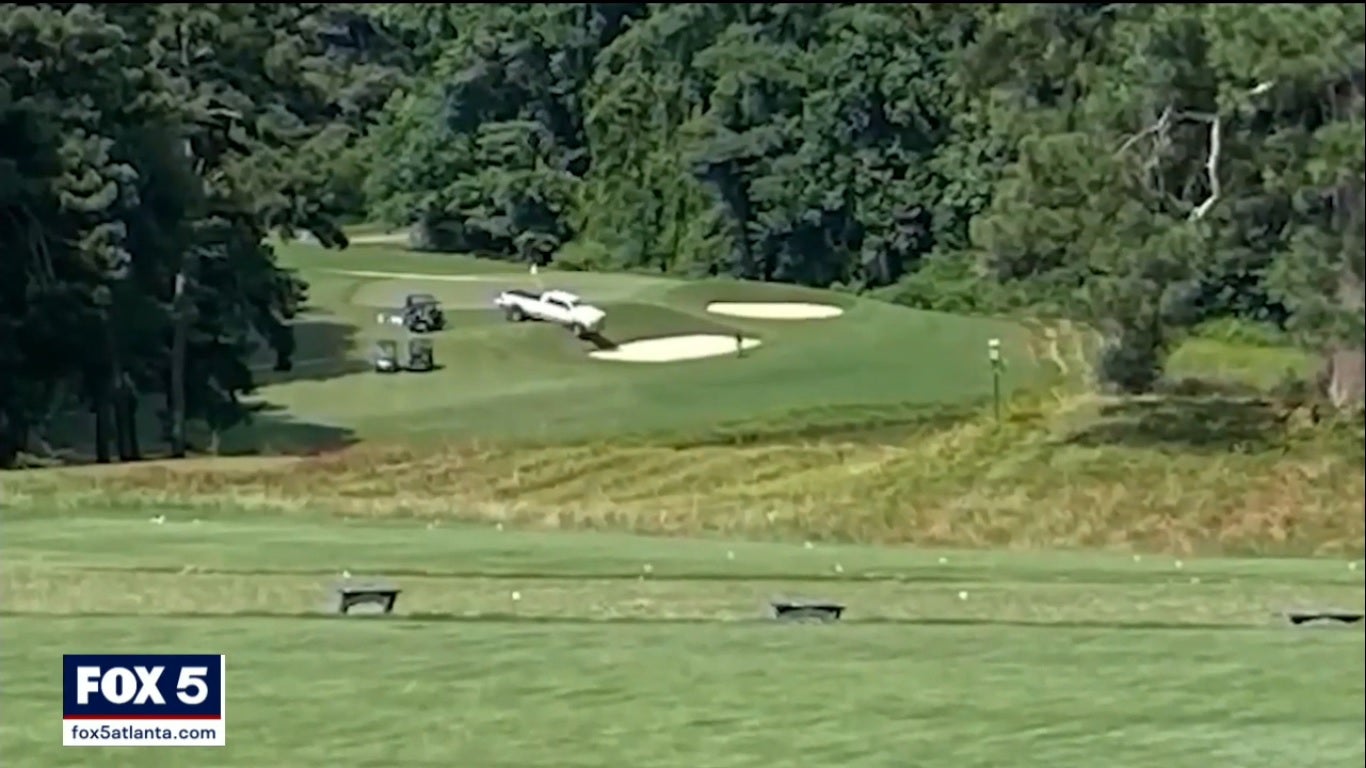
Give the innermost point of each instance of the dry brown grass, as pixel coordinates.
(1060, 475)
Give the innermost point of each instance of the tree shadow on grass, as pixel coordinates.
(324, 348)
(271, 432)
(1201, 424)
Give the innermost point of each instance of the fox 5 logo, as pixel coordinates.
(139, 685)
(173, 687)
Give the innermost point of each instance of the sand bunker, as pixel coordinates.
(669, 349)
(380, 238)
(774, 310)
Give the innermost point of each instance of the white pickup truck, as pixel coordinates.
(560, 307)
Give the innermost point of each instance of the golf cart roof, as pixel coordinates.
(421, 298)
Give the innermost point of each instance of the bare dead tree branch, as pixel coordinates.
(1211, 169)
(1163, 122)
(1216, 142)
(1212, 156)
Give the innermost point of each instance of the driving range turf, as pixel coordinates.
(638, 651)
(631, 650)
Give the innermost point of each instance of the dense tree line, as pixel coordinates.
(1143, 167)
(1146, 167)
(145, 151)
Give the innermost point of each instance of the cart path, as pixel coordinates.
(417, 276)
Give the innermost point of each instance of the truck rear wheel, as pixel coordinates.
(578, 330)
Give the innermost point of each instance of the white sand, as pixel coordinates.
(672, 348)
(775, 310)
(379, 238)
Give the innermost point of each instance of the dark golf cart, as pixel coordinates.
(420, 357)
(422, 313)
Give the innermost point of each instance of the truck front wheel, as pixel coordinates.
(578, 330)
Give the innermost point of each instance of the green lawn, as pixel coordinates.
(535, 381)
(639, 651)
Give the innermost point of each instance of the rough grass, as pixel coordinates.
(626, 651)
(1160, 475)
(1256, 366)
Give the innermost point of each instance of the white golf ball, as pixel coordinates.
(516, 595)
(730, 555)
(648, 568)
(943, 561)
(963, 595)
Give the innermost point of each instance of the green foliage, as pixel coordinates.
(1232, 330)
(1147, 168)
(142, 148)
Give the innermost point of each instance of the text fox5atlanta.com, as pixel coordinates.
(144, 700)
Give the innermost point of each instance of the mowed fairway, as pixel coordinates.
(533, 381)
(632, 651)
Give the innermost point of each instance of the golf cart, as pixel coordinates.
(386, 356)
(420, 357)
(422, 313)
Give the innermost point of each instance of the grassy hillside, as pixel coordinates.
(874, 426)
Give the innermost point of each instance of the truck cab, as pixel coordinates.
(560, 300)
